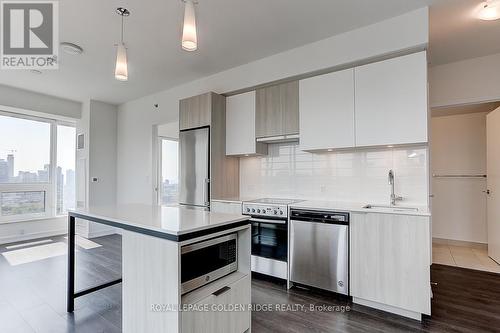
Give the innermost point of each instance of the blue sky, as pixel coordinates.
(30, 141)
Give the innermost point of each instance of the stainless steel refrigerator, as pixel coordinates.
(195, 168)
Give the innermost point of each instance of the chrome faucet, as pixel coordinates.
(394, 197)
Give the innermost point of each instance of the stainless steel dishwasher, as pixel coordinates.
(319, 249)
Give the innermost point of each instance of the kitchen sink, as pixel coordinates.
(393, 208)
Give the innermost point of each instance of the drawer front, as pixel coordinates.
(228, 310)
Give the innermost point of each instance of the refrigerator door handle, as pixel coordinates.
(206, 192)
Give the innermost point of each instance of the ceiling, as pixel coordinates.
(230, 33)
(456, 34)
(464, 109)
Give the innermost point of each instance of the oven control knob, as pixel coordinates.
(258, 211)
(253, 210)
(248, 210)
(281, 212)
(263, 211)
(275, 212)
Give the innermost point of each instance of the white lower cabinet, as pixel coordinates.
(390, 265)
(223, 311)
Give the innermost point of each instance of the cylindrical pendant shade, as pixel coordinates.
(121, 68)
(189, 40)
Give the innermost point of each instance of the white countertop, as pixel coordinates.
(233, 199)
(173, 221)
(358, 207)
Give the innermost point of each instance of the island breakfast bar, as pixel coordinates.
(169, 263)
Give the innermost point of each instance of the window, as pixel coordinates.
(37, 162)
(169, 180)
(25, 146)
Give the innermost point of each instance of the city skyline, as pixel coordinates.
(26, 202)
(30, 141)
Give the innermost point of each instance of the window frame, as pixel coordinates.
(49, 187)
(159, 184)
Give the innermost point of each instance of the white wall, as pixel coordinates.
(29, 100)
(18, 231)
(346, 176)
(458, 146)
(136, 118)
(169, 130)
(465, 82)
(102, 149)
(99, 125)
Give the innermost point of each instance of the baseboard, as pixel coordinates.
(388, 308)
(453, 242)
(31, 236)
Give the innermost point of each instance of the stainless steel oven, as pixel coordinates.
(206, 261)
(269, 218)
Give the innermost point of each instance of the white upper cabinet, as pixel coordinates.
(240, 126)
(391, 101)
(326, 105)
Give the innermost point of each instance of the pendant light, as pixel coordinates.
(189, 38)
(490, 10)
(121, 66)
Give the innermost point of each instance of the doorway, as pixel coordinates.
(168, 164)
(465, 226)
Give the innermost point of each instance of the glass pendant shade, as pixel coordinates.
(121, 68)
(189, 39)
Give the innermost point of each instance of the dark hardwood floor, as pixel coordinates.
(32, 299)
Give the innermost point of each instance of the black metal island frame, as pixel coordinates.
(169, 223)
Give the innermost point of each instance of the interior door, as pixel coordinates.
(194, 167)
(493, 169)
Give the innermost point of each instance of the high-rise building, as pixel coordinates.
(4, 171)
(10, 165)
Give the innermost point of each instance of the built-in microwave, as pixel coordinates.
(206, 261)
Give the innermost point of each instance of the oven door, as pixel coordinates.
(270, 238)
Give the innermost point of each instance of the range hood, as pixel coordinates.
(279, 138)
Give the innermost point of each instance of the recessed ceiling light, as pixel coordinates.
(71, 48)
(35, 71)
(490, 10)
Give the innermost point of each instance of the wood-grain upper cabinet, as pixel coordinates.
(390, 260)
(195, 111)
(326, 105)
(240, 126)
(391, 101)
(277, 110)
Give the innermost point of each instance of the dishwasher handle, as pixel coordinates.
(327, 217)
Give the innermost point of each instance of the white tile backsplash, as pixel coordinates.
(345, 176)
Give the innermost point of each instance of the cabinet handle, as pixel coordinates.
(221, 291)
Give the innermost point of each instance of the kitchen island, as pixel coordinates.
(156, 297)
